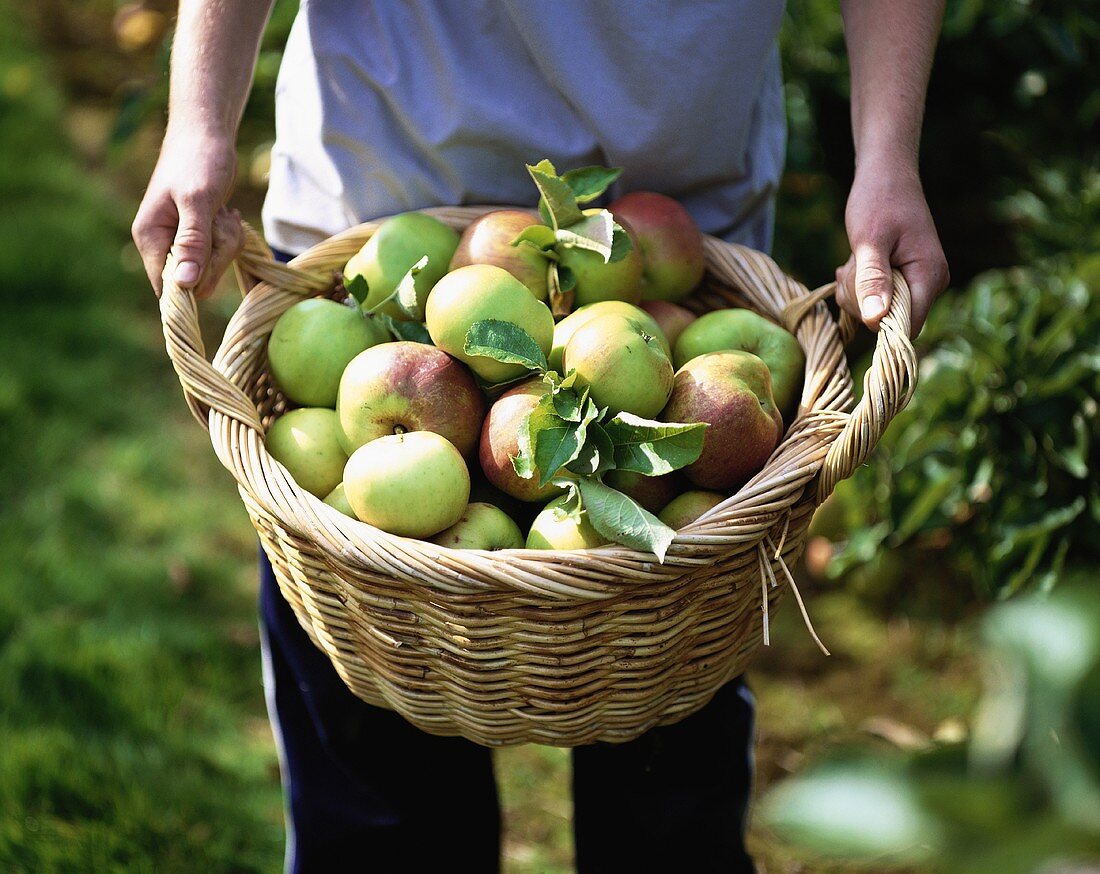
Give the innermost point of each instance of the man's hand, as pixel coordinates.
(889, 226)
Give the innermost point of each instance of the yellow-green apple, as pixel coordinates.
(742, 329)
(564, 329)
(404, 386)
(671, 243)
(604, 280)
(481, 526)
(732, 393)
(555, 529)
(482, 291)
(670, 317)
(686, 508)
(651, 492)
(622, 364)
(488, 240)
(413, 484)
(337, 499)
(398, 244)
(306, 442)
(500, 442)
(313, 342)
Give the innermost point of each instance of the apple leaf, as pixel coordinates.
(539, 236)
(620, 244)
(568, 402)
(588, 183)
(505, 342)
(594, 233)
(561, 297)
(654, 448)
(621, 520)
(406, 292)
(597, 455)
(357, 287)
(557, 197)
(560, 442)
(414, 331)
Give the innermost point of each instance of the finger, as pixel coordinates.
(927, 279)
(845, 278)
(226, 244)
(872, 285)
(153, 240)
(191, 246)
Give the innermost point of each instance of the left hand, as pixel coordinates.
(889, 226)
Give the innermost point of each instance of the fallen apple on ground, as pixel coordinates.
(670, 241)
(555, 529)
(306, 442)
(488, 240)
(481, 526)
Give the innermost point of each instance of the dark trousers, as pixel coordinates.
(367, 791)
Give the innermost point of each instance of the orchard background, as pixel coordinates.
(956, 726)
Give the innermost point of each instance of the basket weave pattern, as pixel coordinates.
(561, 648)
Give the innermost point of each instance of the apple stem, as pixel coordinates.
(400, 429)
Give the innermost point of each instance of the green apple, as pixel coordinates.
(555, 529)
(564, 329)
(500, 442)
(686, 508)
(337, 499)
(744, 330)
(651, 492)
(482, 526)
(732, 393)
(396, 387)
(306, 442)
(622, 365)
(414, 484)
(670, 317)
(488, 240)
(670, 241)
(398, 244)
(482, 291)
(311, 344)
(604, 280)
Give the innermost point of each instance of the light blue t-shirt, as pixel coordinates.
(388, 106)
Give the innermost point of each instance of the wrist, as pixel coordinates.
(201, 125)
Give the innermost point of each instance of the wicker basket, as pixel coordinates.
(560, 648)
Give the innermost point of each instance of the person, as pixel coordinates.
(387, 107)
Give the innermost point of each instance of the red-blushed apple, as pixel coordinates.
(392, 388)
(732, 393)
(672, 246)
(651, 492)
(488, 240)
(338, 500)
(482, 291)
(564, 329)
(306, 442)
(554, 529)
(670, 317)
(413, 484)
(482, 526)
(686, 508)
(624, 367)
(604, 280)
(746, 331)
(500, 442)
(312, 343)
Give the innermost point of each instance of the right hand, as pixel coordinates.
(184, 212)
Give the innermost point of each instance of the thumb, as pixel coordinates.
(191, 246)
(874, 283)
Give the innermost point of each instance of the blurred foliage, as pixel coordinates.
(1023, 796)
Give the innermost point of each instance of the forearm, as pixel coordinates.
(890, 48)
(213, 60)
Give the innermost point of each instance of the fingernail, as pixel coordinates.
(187, 273)
(871, 307)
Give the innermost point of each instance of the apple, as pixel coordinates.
(413, 484)
(670, 317)
(393, 249)
(311, 344)
(337, 499)
(604, 280)
(404, 386)
(564, 329)
(623, 365)
(307, 443)
(652, 492)
(481, 526)
(731, 392)
(488, 240)
(554, 529)
(670, 241)
(686, 508)
(742, 329)
(500, 442)
(482, 291)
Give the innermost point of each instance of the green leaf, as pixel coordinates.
(406, 292)
(594, 233)
(357, 287)
(654, 448)
(597, 455)
(621, 520)
(561, 299)
(569, 403)
(505, 342)
(620, 244)
(557, 196)
(567, 279)
(539, 236)
(413, 331)
(588, 183)
(558, 442)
